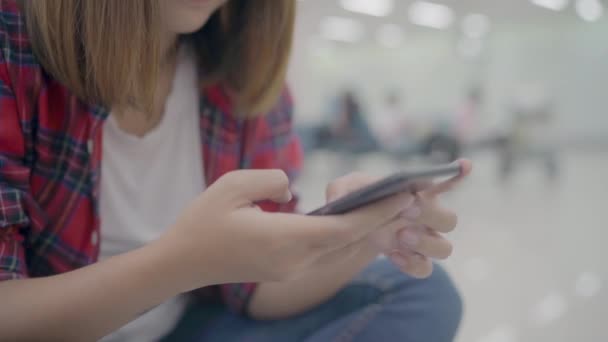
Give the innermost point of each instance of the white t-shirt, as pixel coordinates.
(146, 182)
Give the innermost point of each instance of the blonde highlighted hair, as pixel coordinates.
(107, 51)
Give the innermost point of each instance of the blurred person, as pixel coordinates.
(529, 133)
(123, 126)
(451, 133)
(398, 134)
(391, 125)
(348, 130)
(468, 115)
(345, 129)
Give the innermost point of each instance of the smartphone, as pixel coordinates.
(400, 182)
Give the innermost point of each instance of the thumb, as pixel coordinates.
(259, 185)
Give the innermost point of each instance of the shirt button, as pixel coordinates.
(90, 146)
(94, 238)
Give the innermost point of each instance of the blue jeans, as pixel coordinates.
(381, 304)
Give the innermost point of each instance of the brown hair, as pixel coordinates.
(107, 54)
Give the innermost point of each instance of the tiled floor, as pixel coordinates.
(530, 258)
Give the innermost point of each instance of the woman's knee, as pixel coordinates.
(443, 297)
(433, 303)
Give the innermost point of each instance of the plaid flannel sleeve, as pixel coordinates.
(271, 143)
(14, 178)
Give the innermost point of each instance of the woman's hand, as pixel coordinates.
(422, 240)
(414, 237)
(223, 237)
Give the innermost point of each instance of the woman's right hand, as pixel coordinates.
(224, 238)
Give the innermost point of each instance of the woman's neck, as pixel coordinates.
(138, 123)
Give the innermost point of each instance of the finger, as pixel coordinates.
(426, 242)
(258, 185)
(347, 184)
(385, 238)
(421, 185)
(449, 184)
(416, 265)
(429, 213)
(370, 217)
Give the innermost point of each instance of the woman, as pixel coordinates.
(121, 126)
(350, 130)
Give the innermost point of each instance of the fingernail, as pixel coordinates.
(410, 238)
(412, 212)
(399, 260)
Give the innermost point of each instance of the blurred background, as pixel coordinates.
(518, 86)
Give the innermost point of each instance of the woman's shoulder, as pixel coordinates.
(30, 96)
(14, 40)
(20, 66)
(9, 13)
(279, 118)
(274, 122)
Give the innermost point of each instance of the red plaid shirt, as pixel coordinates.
(50, 157)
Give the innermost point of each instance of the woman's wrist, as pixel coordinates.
(167, 258)
(187, 269)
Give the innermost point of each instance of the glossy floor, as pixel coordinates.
(530, 258)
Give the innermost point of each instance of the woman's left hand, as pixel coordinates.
(415, 238)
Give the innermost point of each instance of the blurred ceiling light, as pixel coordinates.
(376, 8)
(589, 10)
(475, 25)
(341, 29)
(390, 36)
(588, 284)
(555, 5)
(429, 14)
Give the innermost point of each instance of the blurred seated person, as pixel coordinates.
(346, 130)
(468, 115)
(529, 135)
(391, 124)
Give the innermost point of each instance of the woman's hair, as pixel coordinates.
(107, 51)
